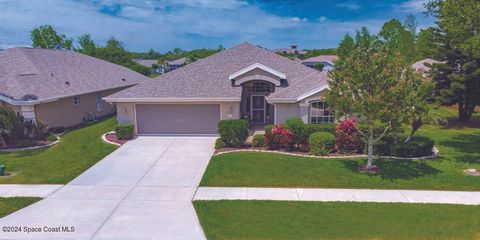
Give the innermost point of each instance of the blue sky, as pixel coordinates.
(188, 24)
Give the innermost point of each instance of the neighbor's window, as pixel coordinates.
(320, 113)
(261, 87)
(99, 102)
(76, 101)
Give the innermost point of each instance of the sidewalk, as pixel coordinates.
(28, 190)
(341, 195)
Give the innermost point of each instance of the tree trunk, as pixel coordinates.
(370, 146)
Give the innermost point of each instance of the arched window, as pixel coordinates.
(319, 112)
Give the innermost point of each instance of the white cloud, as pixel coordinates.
(413, 6)
(349, 6)
(163, 25)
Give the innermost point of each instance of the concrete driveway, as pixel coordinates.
(143, 190)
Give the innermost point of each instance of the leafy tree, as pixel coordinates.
(376, 85)
(458, 77)
(346, 46)
(411, 24)
(87, 45)
(427, 45)
(398, 38)
(46, 37)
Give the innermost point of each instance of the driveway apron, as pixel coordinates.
(143, 190)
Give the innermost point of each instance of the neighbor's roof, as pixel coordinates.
(146, 62)
(208, 78)
(34, 74)
(179, 61)
(424, 65)
(322, 58)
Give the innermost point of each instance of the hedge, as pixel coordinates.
(258, 140)
(321, 143)
(233, 132)
(124, 131)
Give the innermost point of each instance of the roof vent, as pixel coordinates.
(123, 79)
(51, 74)
(68, 83)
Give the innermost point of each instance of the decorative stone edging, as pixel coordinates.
(435, 154)
(104, 138)
(32, 148)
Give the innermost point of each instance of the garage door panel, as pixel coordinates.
(177, 118)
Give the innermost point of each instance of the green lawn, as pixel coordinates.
(77, 151)
(328, 220)
(9, 205)
(459, 148)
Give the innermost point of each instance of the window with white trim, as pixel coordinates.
(99, 102)
(76, 101)
(259, 87)
(320, 112)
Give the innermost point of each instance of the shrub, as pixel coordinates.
(57, 130)
(39, 130)
(52, 138)
(219, 144)
(323, 127)
(268, 134)
(280, 138)
(297, 128)
(25, 143)
(233, 132)
(416, 147)
(258, 140)
(382, 148)
(321, 143)
(349, 139)
(124, 131)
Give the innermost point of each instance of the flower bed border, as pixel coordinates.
(34, 147)
(104, 138)
(435, 154)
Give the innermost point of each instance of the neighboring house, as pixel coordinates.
(152, 64)
(59, 87)
(174, 64)
(326, 60)
(241, 82)
(424, 66)
(292, 50)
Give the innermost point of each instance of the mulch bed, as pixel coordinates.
(112, 137)
(248, 147)
(455, 123)
(36, 143)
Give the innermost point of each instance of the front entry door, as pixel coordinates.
(258, 109)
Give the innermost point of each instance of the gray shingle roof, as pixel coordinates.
(28, 74)
(209, 77)
(146, 62)
(322, 58)
(424, 65)
(179, 61)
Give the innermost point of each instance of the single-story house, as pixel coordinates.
(58, 87)
(326, 60)
(245, 81)
(152, 64)
(174, 64)
(425, 65)
(292, 50)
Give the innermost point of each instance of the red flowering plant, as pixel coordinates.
(349, 139)
(281, 138)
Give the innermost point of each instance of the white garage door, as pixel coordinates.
(177, 118)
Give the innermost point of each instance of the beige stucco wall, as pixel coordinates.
(125, 113)
(64, 112)
(13, 107)
(284, 111)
